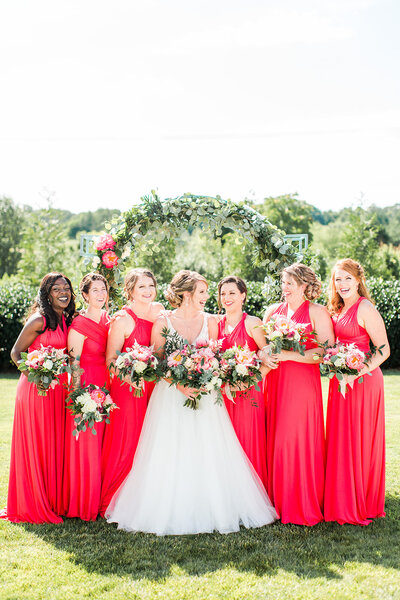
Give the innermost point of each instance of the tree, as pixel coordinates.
(359, 240)
(45, 247)
(288, 213)
(11, 222)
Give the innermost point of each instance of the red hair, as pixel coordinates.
(335, 301)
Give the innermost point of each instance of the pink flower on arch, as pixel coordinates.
(105, 242)
(110, 259)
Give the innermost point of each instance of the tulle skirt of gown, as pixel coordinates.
(190, 474)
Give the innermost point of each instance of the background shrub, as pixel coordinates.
(15, 300)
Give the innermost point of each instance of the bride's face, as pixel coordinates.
(200, 295)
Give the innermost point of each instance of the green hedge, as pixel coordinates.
(15, 300)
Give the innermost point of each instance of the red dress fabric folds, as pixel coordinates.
(295, 435)
(37, 447)
(121, 436)
(82, 473)
(247, 412)
(355, 437)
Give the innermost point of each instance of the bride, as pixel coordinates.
(190, 473)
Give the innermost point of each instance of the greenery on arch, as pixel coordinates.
(155, 221)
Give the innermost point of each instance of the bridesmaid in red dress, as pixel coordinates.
(87, 342)
(295, 421)
(247, 412)
(355, 427)
(37, 447)
(133, 323)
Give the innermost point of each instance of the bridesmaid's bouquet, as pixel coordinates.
(282, 333)
(193, 365)
(90, 404)
(343, 359)
(139, 364)
(43, 367)
(240, 366)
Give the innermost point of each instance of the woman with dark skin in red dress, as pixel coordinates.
(37, 447)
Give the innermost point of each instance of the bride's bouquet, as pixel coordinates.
(43, 367)
(282, 333)
(90, 404)
(196, 366)
(239, 366)
(139, 364)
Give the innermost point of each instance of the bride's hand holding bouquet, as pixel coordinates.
(193, 369)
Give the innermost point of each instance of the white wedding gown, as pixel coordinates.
(190, 473)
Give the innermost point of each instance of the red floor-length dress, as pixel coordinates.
(82, 471)
(37, 447)
(295, 435)
(355, 438)
(121, 436)
(247, 413)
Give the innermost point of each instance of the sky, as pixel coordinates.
(103, 101)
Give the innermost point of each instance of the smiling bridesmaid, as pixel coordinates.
(295, 421)
(355, 427)
(247, 412)
(133, 323)
(87, 341)
(37, 447)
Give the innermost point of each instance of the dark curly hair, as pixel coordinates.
(43, 306)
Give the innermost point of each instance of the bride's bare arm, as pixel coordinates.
(157, 339)
(212, 327)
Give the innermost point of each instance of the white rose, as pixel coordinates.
(209, 386)
(89, 406)
(140, 366)
(275, 334)
(241, 369)
(189, 363)
(296, 336)
(95, 261)
(214, 364)
(48, 364)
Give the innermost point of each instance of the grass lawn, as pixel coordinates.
(94, 560)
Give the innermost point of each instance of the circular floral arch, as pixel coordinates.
(154, 221)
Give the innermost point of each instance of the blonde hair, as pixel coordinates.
(183, 281)
(132, 277)
(305, 275)
(335, 301)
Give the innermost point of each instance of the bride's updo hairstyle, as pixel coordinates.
(132, 277)
(183, 281)
(303, 274)
(335, 301)
(238, 281)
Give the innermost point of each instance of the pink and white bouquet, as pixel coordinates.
(196, 366)
(343, 359)
(90, 404)
(240, 366)
(43, 367)
(282, 333)
(139, 364)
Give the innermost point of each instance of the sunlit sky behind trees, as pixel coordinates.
(103, 101)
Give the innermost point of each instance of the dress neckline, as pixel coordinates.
(134, 315)
(227, 334)
(297, 309)
(199, 336)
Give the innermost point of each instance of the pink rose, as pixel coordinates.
(355, 359)
(110, 259)
(98, 396)
(105, 242)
